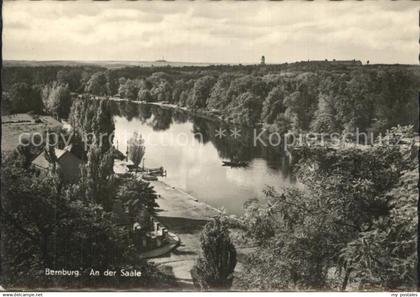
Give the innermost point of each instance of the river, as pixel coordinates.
(192, 149)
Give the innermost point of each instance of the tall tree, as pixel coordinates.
(201, 91)
(136, 149)
(57, 100)
(214, 270)
(97, 177)
(272, 105)
(97, 84)
(93, 117)
(72, 78)
(302, 103)
(129, 89)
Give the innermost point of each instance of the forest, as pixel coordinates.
(299, 97)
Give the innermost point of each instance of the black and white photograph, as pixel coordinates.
(178, 146)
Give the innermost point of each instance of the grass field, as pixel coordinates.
(13, 126)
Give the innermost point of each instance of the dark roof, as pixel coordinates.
(42, 162)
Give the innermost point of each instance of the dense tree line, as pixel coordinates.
(368, 99)
(306, 96)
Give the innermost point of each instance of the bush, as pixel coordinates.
(214, 270)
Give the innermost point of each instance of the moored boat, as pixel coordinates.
(149, 177)
(235, 163)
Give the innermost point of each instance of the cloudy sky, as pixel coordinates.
(219, 32)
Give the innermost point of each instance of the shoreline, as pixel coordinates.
(174, 202)
(201, 114)
(185, 216)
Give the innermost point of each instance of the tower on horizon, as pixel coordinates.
(262, 60)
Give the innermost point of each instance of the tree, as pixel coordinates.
(385, 255)
(325, 117)
(136, 149)
(245, 109)
(356, 108)
(144, 95)
(302, 103)
(129, 89)
(341, 219)
(218, 97)
(97, 177)
(97, 84)
(139, 197)
(214, 270)
(396, 101)
(45, 224)
(23, 98)
(72, 78)
(93, 118)
(111, 82)
(57, 100)
(272, 105)
(201, 91)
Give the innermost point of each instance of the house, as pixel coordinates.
(67, 163)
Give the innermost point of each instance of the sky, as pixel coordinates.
(211, 32)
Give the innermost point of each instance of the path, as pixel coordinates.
(185, 216)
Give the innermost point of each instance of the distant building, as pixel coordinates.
(67, 162)
(262, 60)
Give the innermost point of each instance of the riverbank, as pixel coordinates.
(185, 216)
(175, 203)
(202, 114)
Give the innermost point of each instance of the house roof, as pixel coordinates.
(42, 162)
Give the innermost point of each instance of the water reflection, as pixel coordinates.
(192, 153)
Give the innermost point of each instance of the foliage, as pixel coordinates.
(97, 179)
(136, 149)
(92, 121)
(45, 224)
(340, 227)
(272, 105)
(129, 89)
(201, 91)
(97, 84)
(134, 192)
(309, 96)
(386, 254)
(214, 270)
(57, 100)
(71, 77)
(144, 95)
(245, 109)
(302, 103)
(51, 229)
(23, 97)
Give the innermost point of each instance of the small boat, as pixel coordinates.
(149, 177)
(235, 163)
(156, 171)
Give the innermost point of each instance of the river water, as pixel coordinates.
(191, 150)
